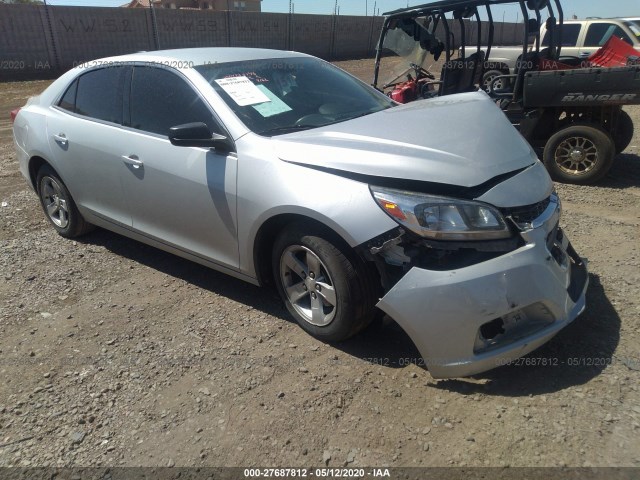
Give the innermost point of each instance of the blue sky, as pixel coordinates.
(581, 8)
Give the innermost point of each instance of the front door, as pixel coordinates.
(182, 196)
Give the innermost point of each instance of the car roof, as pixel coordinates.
(203, 55)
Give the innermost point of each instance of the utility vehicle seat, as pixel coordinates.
(462, 75)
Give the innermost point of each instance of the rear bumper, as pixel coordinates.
(473, 319)
(23, 161)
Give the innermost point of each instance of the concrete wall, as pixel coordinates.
(82, 34)
(41, 42)
(190, 28)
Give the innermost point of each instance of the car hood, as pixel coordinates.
(462, 140)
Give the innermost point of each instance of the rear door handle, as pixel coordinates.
(133, 160)
(61, 138)
(584, 54)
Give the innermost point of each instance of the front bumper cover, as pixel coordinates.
(540, 288)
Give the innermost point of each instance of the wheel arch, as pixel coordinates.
(266, 234)
(36, 162)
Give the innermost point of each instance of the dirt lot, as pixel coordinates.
(115, 353)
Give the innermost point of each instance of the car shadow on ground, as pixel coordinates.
(263, 299)
(625, 173)
(579, 353)
(576, 355)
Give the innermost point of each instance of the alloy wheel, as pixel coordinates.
(55, 203)
(576, 155)
(308, 285)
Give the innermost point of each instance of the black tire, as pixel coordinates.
(624, 132)
(352, 280)
(489, 76)
(594, 149)
(65, 217)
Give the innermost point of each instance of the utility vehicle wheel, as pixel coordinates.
(624, 132)
(58, 205)
(580, 154)
(489, 77)
(325, 286)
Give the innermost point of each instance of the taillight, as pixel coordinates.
(14, 114)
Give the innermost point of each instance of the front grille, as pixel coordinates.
(528, 213)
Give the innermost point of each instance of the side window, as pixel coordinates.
(161, 99)
(600, 33)
(99, 94)
(570, 34)
(68, 100)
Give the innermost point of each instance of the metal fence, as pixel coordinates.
(38, 41)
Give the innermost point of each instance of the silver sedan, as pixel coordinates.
(280, 169)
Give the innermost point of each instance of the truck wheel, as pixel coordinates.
(325, 286)
(624, 132)
(579, 154)
(489, 77)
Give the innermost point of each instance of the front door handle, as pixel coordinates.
(61, 138)
(133, 160)
(584, 54)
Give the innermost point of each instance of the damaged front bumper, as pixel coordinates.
(468, 320)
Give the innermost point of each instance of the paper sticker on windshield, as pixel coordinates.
(242, 91)
(273, 107)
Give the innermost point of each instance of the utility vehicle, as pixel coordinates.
(568, 108)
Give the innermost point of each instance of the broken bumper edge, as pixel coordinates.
(444, 312)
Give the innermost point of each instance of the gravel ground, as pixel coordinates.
(115, 353)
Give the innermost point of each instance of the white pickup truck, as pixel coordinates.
(580, 38)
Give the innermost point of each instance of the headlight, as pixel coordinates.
(442, 218)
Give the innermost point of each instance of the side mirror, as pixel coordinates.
(198, 135)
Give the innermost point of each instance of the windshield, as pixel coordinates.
(634, 26)
(277, 96)
(408, 52)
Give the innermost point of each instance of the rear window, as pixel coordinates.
(68, 100)
(570, 34)
(99, 94)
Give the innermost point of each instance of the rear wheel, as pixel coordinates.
(325, 286)
(58, 205)
(579, 154)
(624, 132)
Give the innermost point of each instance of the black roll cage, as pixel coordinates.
(437, 12)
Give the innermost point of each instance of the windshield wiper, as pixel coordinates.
(287, 129)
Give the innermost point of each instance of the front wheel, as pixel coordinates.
(325, 286)
(58, 205)
(579, 154)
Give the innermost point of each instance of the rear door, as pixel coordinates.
(184, 197)
(85, 137)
